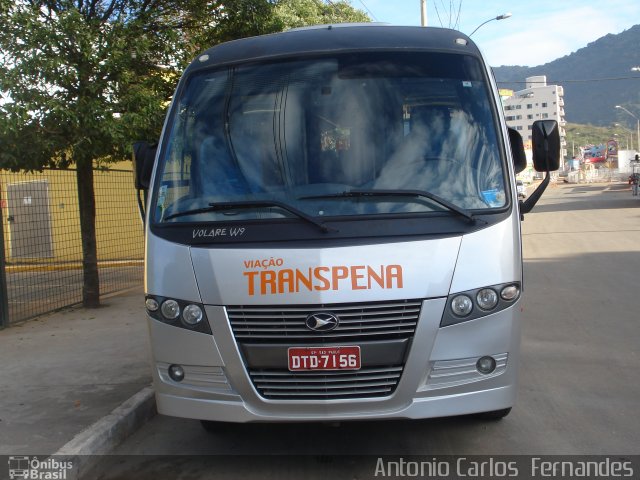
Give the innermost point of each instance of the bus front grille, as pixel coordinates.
(382, 329)
(357, 322)
(364, 383)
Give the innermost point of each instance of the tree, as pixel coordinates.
(233, 19)
(299, 13)
(82, 79)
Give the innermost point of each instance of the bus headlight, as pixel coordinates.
(487, 298)
(178, 313)
(176, 372)
(151, 304)
(479, 302)
(461, 305)
(192, 314)
(486, 365)
(510, 292)
(170, 309)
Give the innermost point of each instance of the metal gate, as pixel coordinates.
(29, 220)
(41, 240)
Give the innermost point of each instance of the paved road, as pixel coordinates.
(579, 385)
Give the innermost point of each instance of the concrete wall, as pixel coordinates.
(625, 158)
(118, 227)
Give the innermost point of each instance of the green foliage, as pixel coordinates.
(81, 80)
(227, 20)
(579, 135)
(299, 13)
(233, 19)
(595, 78)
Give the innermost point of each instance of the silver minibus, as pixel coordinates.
(333, 230)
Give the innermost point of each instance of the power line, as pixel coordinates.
(457, 24)
(444, 9)
(368, 10)
(438, 14)
(452, 14)
(363, 4)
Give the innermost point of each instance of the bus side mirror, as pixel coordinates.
(546, 158)
(517, 150)
(144, 156)
(546, 145)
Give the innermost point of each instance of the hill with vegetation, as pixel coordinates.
(595, 78)
(579, 135)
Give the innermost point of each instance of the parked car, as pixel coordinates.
(521, 189)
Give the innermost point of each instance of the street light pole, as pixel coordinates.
(499, 17)
(626, 139)
(637, 120)
(629, 137)
(573, 141)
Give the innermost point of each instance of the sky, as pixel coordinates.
(538, 31)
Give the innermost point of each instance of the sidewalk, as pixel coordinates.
(63, 372)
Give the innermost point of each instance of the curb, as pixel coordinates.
(85, 448)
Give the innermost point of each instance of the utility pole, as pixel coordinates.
(423, 13)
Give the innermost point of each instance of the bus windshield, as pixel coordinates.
(321, 136)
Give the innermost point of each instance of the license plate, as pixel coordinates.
(324, 358)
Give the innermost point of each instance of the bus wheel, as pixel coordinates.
(494, 415)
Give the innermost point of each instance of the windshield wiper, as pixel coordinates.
(397, 193)
(221, 206)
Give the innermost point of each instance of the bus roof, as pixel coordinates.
(332, 38)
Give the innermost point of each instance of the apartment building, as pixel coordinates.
(538, 101)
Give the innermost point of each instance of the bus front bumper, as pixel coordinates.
(439, 377)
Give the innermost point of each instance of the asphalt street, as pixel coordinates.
(578, 391)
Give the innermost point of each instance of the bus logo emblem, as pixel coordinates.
(322, 322)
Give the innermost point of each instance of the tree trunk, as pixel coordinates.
(86, 198)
